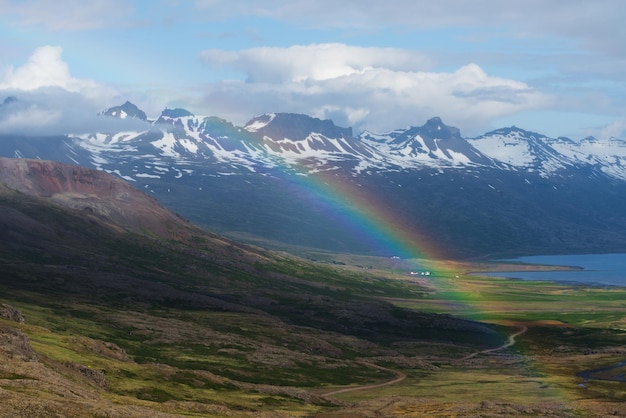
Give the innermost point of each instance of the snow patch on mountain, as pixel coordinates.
(103, 140)
(166, 145)
(260, 122)
(146, 175)
(510, 149)
(183, 141)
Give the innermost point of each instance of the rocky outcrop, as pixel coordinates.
(10, 313)
(93, 375)
(15, 345)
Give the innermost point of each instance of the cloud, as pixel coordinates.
(375, 88)
(50, 111)
(535, 33)
(617, 129)
(66, 15)
(14, 119)
(44, 68)
(313, 62)
(595, 24)
(50, 101)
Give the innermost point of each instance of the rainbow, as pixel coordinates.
(372, 219)
(367, 215)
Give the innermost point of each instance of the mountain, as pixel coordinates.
(9, 100)
(102, 197)
(524, 150)
(433, 144)
(276, 179)
(294, 139)
(69, 201)
(126, 110)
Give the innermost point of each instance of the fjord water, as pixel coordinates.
(600, 269)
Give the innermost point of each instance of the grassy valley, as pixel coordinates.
(120, 320)
(138, 323)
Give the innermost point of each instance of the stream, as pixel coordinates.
(603, 373)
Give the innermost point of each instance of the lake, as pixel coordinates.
(603, 269)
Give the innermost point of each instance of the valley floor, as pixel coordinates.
(554, 332)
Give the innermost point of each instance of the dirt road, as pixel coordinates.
(510, 342)
(399, 377)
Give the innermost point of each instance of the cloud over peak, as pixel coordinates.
(375, 88)
(50, 101)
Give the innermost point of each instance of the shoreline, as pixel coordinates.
(592, 271)
(510, 275)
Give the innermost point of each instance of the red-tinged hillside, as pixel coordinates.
(99, 195)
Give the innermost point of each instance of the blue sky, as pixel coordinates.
(557, 67)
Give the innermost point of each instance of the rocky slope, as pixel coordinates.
(98, 195)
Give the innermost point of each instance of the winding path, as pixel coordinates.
(399, 377)
(509, 343)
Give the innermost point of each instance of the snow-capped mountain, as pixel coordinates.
(433, 144)
(314, 144)
(178, 139)
(310, 145)
(127, 110)
(523, 150)
(533, 152)
(607, 155)
(505, 192)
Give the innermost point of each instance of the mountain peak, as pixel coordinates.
(513, 130)
(127, 110)
(589, 139)
(434, 121)
(176, 113)
(435, 128)
(295, 126)
(9, 100)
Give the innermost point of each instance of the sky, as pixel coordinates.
(557, 67)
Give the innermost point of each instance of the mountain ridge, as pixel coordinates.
(298, 137)
(507, 192)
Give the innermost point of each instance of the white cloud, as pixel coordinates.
(372, 88)
(617, 129)
(44, 68)
(50, 101)
(312, 62)
(579, 39)
(54, 111)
